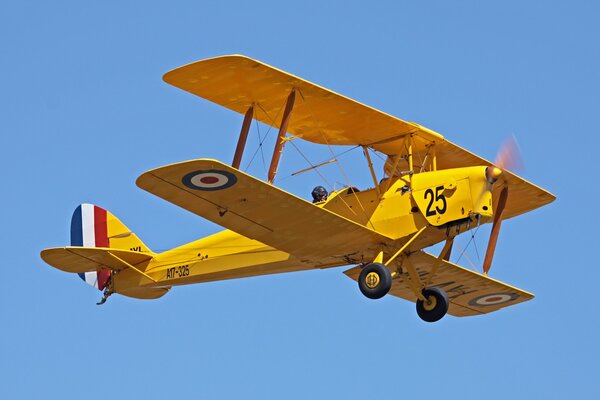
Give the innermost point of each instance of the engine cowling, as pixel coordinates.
(452, 194)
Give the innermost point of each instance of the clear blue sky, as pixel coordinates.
(84, 111)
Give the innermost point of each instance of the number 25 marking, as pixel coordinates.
(437, 198)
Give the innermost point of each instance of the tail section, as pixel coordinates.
(106, 255)
(93, 226)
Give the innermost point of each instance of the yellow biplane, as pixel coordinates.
(432, 191)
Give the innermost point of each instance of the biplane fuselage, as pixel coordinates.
(432, 191)
(456, 199)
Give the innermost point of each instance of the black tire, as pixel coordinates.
(437, 306)
(375, 280)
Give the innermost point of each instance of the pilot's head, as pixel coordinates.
(319, 193)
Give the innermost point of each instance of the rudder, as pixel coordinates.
(93, 226)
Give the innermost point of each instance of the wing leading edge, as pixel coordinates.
(77, 259)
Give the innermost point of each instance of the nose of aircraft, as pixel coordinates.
(492, 174)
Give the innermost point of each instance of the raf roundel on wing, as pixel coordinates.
(209, 180)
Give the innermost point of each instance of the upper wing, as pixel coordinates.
(323, 116)
(319, 115)
(470, 292)
(260, 211)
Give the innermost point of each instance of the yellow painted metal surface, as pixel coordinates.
(121, 237)
(224, 255)
(227, 255)
(470, 292)
(453, 194)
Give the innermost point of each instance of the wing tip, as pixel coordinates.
(170, 76)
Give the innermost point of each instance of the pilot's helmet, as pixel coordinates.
(319, 193)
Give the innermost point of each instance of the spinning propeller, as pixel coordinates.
(507, 158)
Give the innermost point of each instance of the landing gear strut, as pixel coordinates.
(375, 280)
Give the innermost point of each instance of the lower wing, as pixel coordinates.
(470, 292)
(258, 210)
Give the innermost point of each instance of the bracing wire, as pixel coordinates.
(466, 256)
(348, 181)
(314, 167)
(472, 239)
(262, 139)
(259, 147)
(321, 164)
(331, 187)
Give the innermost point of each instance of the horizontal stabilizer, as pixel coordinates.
(470, 292)
(89, 259)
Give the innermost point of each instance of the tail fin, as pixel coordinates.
(93, 226)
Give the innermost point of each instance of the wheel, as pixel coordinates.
(375, 281)
(436, 305)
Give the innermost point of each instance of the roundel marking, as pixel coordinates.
(493, 299)
(209, 179)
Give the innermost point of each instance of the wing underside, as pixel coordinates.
(470, 292)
